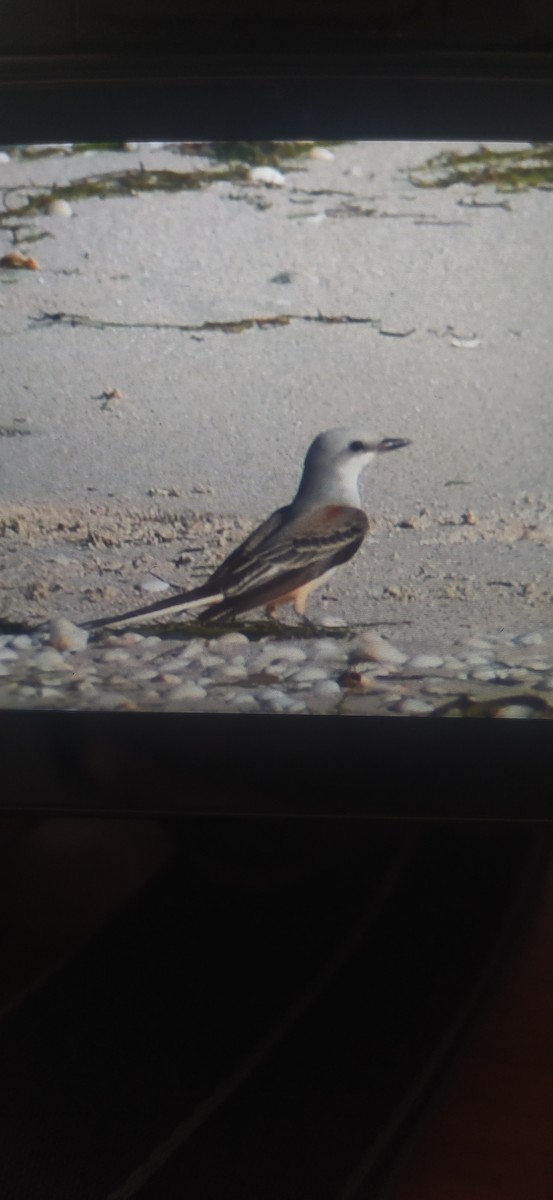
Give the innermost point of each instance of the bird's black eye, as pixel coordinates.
(356, 446)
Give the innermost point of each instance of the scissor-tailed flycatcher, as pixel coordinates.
(296, 548)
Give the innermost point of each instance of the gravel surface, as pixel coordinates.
(173, 353)
(336, 672)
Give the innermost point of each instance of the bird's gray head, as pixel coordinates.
(334, 462)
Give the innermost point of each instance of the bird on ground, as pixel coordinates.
(297, 548)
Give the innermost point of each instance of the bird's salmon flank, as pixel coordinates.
(296, 548)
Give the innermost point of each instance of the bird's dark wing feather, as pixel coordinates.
(287, 558)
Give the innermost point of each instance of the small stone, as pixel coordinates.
(485, 674)
(164, 677)
(110, 656)
(270, 695)
(267, 175)
(177, 664)
(329, 621)
(328, 650)
(21, 642)
(324, 696)
(413, 707)
(7, 655)
(244, 700)
(64, 635)
(188, 691)
(126, 639)
(321, 154)
(231, 644)
(49, 693)
(51, 660)
(291, 654)
(475, 660)
(531, 639)
(154, 585)
(59, 208)
(3, 670)
(425, 662)
(374, 648)
(309, 674)
(231, 672)
(538, 665)
(4, 158)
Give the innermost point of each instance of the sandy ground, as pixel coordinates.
(420, 313)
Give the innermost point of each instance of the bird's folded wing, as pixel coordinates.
(292, 548)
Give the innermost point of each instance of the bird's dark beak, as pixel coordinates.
(392, 444)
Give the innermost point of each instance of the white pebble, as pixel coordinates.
(125, 639)
(531, 639)
(328, 621)
(7, 655)
(4, 158)
(244, 700)
(475, 660)
(145, 676)
(51, 660)
(231, 644)
(324, 696)
(3, 670)
(231, 672)
(59, 208)
(49, 692)
(164, 677)
(26, 691)
(177, 664)
(21, 642)
(109, 656)
(321, 154)
(271, 695)
(268, 175)
(64, 635)
(309, 674)
(484, 674)
(411, 707)
(293, 654)
(374, 648)
(188, 691)
(425, 662)
(536, 665)
(328, 649)
(154, 585)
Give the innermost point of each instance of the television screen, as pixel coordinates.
(275, 428)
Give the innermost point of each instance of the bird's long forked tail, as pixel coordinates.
(198, 598)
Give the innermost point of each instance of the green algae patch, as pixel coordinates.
(121, 183)
(505, 170)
